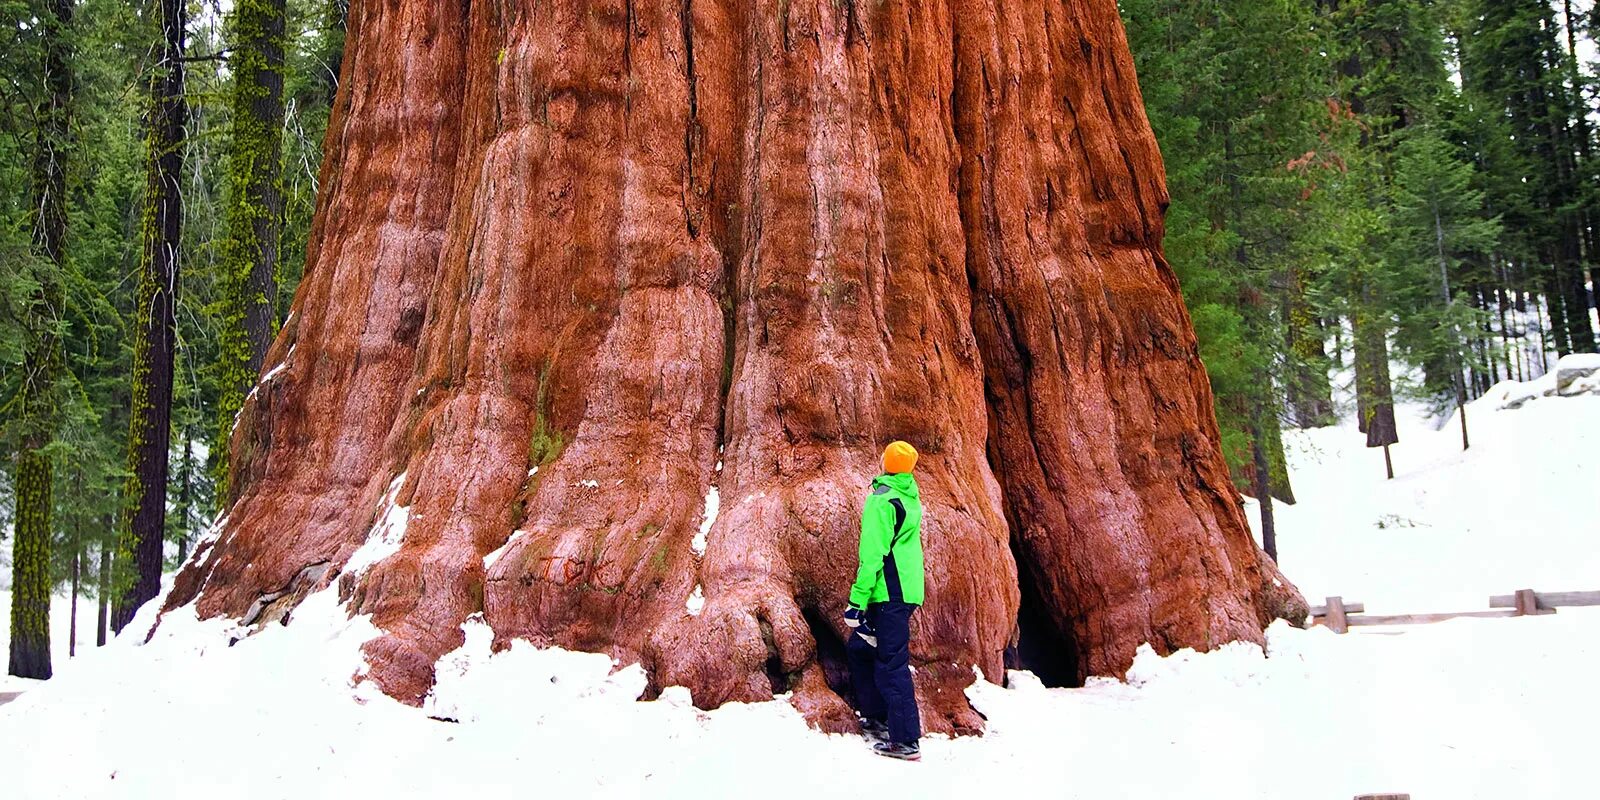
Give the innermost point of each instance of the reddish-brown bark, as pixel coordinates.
(655, 247)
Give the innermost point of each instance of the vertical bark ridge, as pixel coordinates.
(311, 433)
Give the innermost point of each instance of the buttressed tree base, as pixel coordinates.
(577, 264)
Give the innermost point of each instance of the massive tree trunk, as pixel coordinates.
(584, 274)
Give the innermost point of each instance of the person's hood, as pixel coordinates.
(902, 482)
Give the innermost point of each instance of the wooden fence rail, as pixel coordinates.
(1549, 599)
(1340, 616)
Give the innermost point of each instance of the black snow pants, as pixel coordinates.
(881, 676)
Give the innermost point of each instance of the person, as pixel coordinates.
(887, 589)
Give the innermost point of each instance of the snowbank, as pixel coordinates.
(1574, 375)
(1469, 709)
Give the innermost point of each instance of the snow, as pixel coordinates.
(1516, 511)
(696, 602)
(707, 519)
(388, 533)
(495, 554)
(281, 366)
(60, 635)
(1473, 708)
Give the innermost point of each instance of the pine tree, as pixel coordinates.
(1440, 225)
(143, 522)
(37, 403)
(1511, 58)
(1234, 91)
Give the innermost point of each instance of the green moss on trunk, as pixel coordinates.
(253, 215)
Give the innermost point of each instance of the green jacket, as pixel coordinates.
(891, 543)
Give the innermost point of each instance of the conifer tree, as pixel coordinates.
(1439, 226)
(39, 396)
(1512, 59)
(143, 522)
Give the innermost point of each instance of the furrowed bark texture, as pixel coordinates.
(142, 525)
(576, 265)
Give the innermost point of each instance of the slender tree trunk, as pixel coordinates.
(77, 576)
(185, 506)
(1455, 335)
(1373, 383)
(30, 585)
(1507, 350)
(1484, 367)
(1261, 481)
(1555, 301)
(1541, 312)
(143, 524)
(103, 596)
(253, 215)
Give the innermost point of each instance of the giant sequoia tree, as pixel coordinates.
(577, 264)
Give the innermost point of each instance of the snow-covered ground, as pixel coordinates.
(1497, 708)
(1519, 510)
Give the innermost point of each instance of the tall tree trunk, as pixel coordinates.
(1455, 332)
(1310, 394)
(77, 580)
(1555, 303)
(1261, 480)
(760, 243)
(30, 569)
(34, 475)
(142, 527)
(253, 214)
(185, 506)
(1541, 312)
(1374, 390)
(103, 597)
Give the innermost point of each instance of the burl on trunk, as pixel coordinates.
(592, 281)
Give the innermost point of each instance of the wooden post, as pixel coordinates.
(1336, 617)
(1528, 604)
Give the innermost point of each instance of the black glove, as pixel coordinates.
(854, 617)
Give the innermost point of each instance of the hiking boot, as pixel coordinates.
(874, 729)
(904, 752)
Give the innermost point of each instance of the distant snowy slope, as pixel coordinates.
(1519, 510)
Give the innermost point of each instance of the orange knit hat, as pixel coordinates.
(899, 457)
